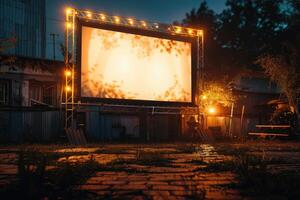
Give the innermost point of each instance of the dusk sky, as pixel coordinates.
(165, 11)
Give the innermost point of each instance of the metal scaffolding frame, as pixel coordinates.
(70, 59)
(70, 62)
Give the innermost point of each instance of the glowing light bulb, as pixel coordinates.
(69, 25)
(68, 73)
(212, 110)
(178, 30)
(144, 24)
(102, 16)
(130, 21)
(88, 14)
(68, 11)
(68, 88)
(117, 19)
(200, 32)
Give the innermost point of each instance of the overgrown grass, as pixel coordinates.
(36, 181)
(186, 148)
(151, 158)
(254, 177)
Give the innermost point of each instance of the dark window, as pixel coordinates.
(35, 93)
(42, 93)
(4, 92)
(49, 95)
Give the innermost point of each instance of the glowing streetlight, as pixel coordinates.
(69, 25)
(117, 19)
(204, 97)
(68, 88)
(102, 17)
(68, 11)
(144, 24)
(190, 31)
(130, 21)
(178, 30)
(88, 14)
(200, 32)
(212, 110)
(68, 73)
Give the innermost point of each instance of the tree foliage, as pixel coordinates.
(284, 69)
(242, 32)
(216, 93)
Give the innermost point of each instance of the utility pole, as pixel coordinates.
(53, 35)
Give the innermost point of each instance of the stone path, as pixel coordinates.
(164, 171)
(179, 179)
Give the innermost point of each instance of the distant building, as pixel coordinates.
(26, 21)
(26, 82)
(30, 96)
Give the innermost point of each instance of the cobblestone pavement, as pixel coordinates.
(159, 171)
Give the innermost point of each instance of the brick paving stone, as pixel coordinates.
(137, 183)
(215, 182)
(165, 177)
(101, 192)
(137, 177)
(94, 187)
(114, 182)
(8, 169)
(183, 183)
(106, 178)
(156, 183)
(168, 187)
(156, 193)
(186, 193)
(129, 187)
(110, 173)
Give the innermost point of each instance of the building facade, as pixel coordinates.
(25, 20)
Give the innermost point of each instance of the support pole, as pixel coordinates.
(242, 118)
(230, 121)
(70, 66)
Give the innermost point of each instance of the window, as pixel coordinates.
(4, 92)
(42, 93)
(35, 92)
(49, 95)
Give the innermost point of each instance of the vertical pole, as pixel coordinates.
(73, 68)
(230, 122)
(67, 67)
(242, 118)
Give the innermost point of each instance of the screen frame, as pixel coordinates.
(133, 30)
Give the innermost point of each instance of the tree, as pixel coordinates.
(216, 93)
(206, 19)
(284, 69)
(283, 66)
(249, 28)
(235, 38)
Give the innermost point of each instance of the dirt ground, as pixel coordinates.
(230, 170)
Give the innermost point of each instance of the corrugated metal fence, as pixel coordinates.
(30, 125)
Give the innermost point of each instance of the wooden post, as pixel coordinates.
(230, 121)
(242, 118)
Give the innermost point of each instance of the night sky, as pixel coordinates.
(165, 11)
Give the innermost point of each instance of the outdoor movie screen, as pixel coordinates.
(119, 65)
